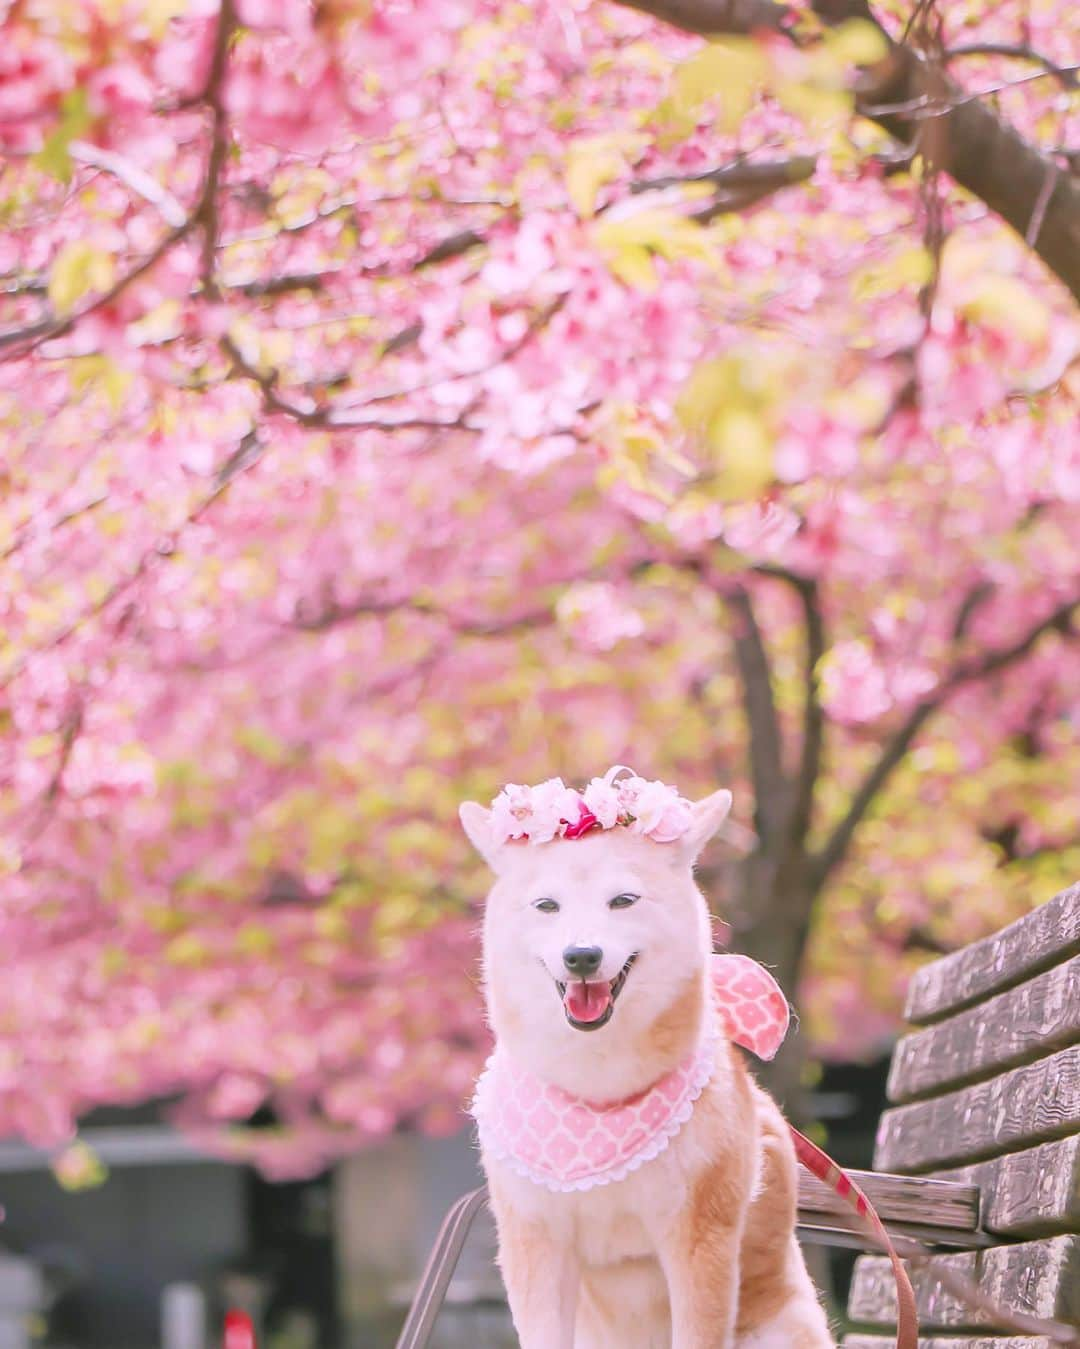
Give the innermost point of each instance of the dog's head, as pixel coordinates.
(593, 938)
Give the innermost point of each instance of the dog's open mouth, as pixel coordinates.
(588, 1006)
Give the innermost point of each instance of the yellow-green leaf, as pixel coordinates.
(742, 440)
(629, 243)
(712, 384)
(1005, 302)
(78, 269)
(594, 161)
(78, 1167)
(53, 157)
(818, 107)
(732, 71)
(859, 42)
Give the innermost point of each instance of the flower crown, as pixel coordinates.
(552, 810)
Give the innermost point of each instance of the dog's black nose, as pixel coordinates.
(582, 960)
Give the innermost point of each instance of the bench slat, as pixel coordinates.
(1031, 1193)
(908, 1199)
(1033, 943)
(1012, 1028)
(1034, 1104)
(951, 1342)
(1042, 1277)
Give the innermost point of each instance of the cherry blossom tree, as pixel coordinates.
(399, 399)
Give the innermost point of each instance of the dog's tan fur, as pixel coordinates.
(696, 1249)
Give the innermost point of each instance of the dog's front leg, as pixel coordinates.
(699, 1252)
(703, 1287)
(541, 1278)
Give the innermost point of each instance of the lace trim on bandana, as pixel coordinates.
(547, 1136)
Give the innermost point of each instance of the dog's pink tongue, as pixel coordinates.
(587, 1002)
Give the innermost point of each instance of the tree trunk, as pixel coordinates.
(770, 921)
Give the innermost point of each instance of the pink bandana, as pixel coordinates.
(563, 1143)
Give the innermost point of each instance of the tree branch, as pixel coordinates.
(206, 213)
(25, 339)
(311, 413)
(983, 153)
(163, 548)
(31, 335)
(813, 719)
(332, 613)
(70, 730)
(711, 18)
(967, 672)
(766, 752)
(1018, 52)
(738, 185)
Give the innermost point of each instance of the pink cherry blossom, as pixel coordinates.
(598, 616)
(854, 685)
(393, 407)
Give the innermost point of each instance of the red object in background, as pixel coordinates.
(239, 1332)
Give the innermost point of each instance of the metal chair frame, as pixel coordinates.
(823, 1229)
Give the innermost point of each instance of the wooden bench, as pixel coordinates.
(987, 1092)
(979, 1159)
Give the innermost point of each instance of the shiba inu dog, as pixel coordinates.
(643, 1186)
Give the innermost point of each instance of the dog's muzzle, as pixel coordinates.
(590, 1004)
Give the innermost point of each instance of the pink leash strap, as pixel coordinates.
(820, 1164)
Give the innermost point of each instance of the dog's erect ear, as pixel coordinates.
(476, 821)
(708, 815)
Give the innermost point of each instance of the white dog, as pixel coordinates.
(644, 1188)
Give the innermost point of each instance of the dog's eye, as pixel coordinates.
(623, 901)
(546, 905)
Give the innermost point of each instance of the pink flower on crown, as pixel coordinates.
(628, 790)
(585, 821)
(553, 805)
(551, 809)
(660, 813)
(511, 811)
(602, 801)
(536, 813)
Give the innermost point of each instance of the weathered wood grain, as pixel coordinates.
(951, 1342)
(1033, 943)
(1012, 1028)
(1034, 1104)
(1031, 1193)
(1042, 1277)
(910, 1199)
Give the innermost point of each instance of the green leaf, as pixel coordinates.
(53, 157)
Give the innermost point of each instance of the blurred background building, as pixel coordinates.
(324, 1263)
